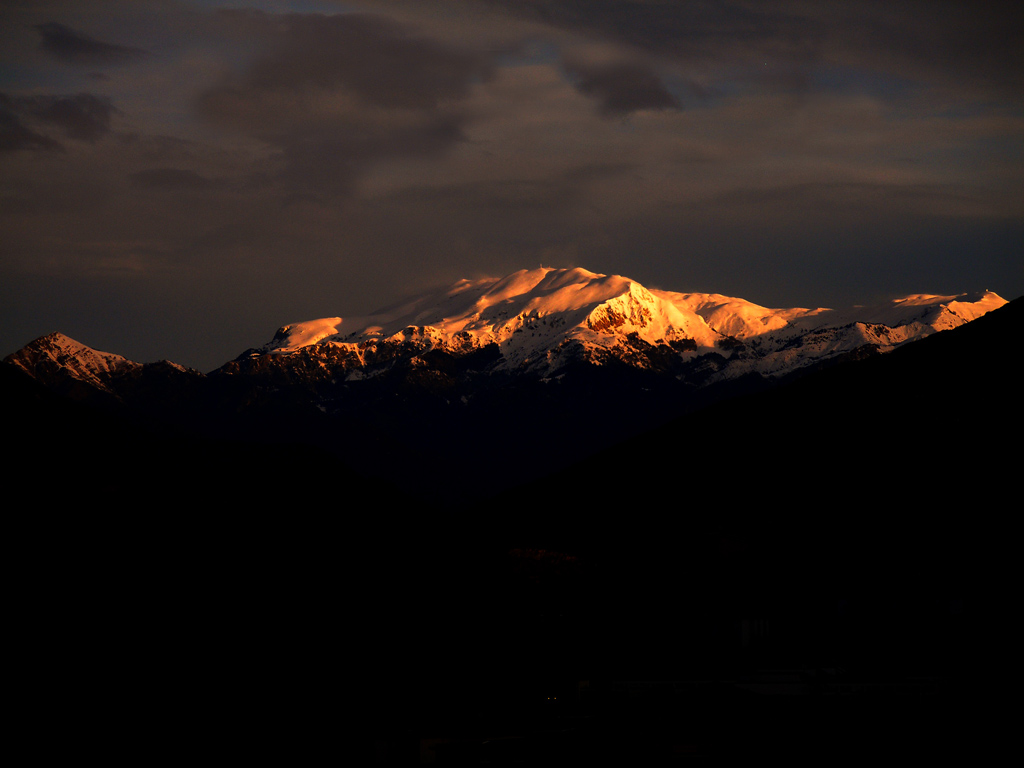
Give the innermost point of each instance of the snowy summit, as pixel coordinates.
(540, 319)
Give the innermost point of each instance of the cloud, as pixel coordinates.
(380, 61)
(15, 135)
(969, 46)
(74, 47)
(266, 168)
(337, 93)
(80, 116)
(621, 87)
(171, 179)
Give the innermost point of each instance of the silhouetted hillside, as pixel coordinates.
(849, 520)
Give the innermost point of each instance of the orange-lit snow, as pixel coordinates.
(300, 335)
(531, 314)
(86, 363)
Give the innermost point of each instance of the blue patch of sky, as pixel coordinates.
(731, 82)
(688, 95)
(1005, 149)
(532, 52)
(18, 78)
(714, 89)
(728, 82)
(884, 85)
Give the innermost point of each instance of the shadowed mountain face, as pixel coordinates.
(926, 424)
(494, 381)
(856, 504)
(846, 517)
(539, 321)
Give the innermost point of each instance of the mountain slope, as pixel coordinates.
(63, 363)
(920, 427)
(852, 514)
(858, 513)
(564, 356)
(72, 369)
(539, 321)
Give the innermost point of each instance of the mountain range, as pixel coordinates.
(491, 386)
(542, 320)
(584, 357)
(495, 491)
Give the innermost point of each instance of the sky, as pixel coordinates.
(180, 178)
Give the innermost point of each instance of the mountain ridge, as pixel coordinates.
(731, 540)
(569, 312)
(560, 353)
(539, 321)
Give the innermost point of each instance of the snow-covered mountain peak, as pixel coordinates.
(545, 322)
(529, 314)
(57, 347)
(467, 302)
(297, 335)
(737, 318)
(540, 318)
(937, 312)
(57, 353)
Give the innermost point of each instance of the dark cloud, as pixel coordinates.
(336, 93)
(267, 168)
(171, 179)
(329, 158)
(684, 30)
(375, 58)
(977, 45)
(377, 61)
(15, 135)
(81, 116)
(621, 87)
(980, 44)
(74, 47)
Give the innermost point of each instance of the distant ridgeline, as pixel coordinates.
(545, 365)
(550, 478)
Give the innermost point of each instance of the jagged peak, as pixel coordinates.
(545, 318)
(56, 339)
(58, 357)
(532, 313)
(970, 297)
(58, 343)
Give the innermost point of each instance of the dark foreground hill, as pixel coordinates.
(841, 538)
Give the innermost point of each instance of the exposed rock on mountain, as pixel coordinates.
(566, 358)
(540, 321)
